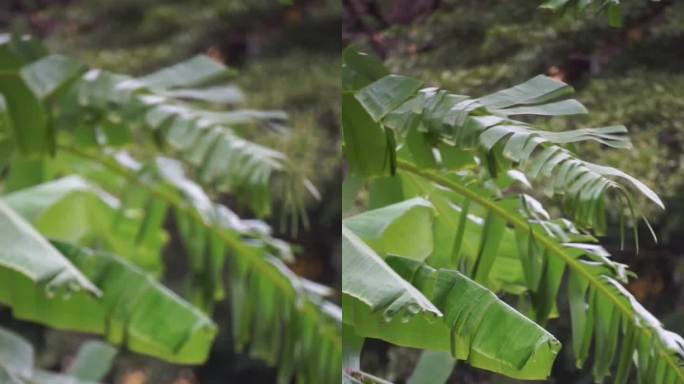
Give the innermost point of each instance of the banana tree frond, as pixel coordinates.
(476, 163)
(179, 109)
(211, 140)
(275, 319)
(53, 105)
(435, 125)
(600, 306)
(276, 315)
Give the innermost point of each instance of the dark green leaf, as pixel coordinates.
(360, 69)
(365, 142)
(386, 94)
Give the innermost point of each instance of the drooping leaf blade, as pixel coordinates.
(366, 277)
(133, 310)
(476, 327)
(29, 256)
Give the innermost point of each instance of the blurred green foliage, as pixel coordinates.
(286, 54)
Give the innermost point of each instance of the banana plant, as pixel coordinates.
(98, 167)
(470, 206)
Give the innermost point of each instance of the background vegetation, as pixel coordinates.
(287, 57)
(630, 76)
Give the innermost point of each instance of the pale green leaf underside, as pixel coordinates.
(402, 229)
(26, 255)
(506, 272)
(76, 210)
(366, 277)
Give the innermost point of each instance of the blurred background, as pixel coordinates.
(287, 57)
(632, 76)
